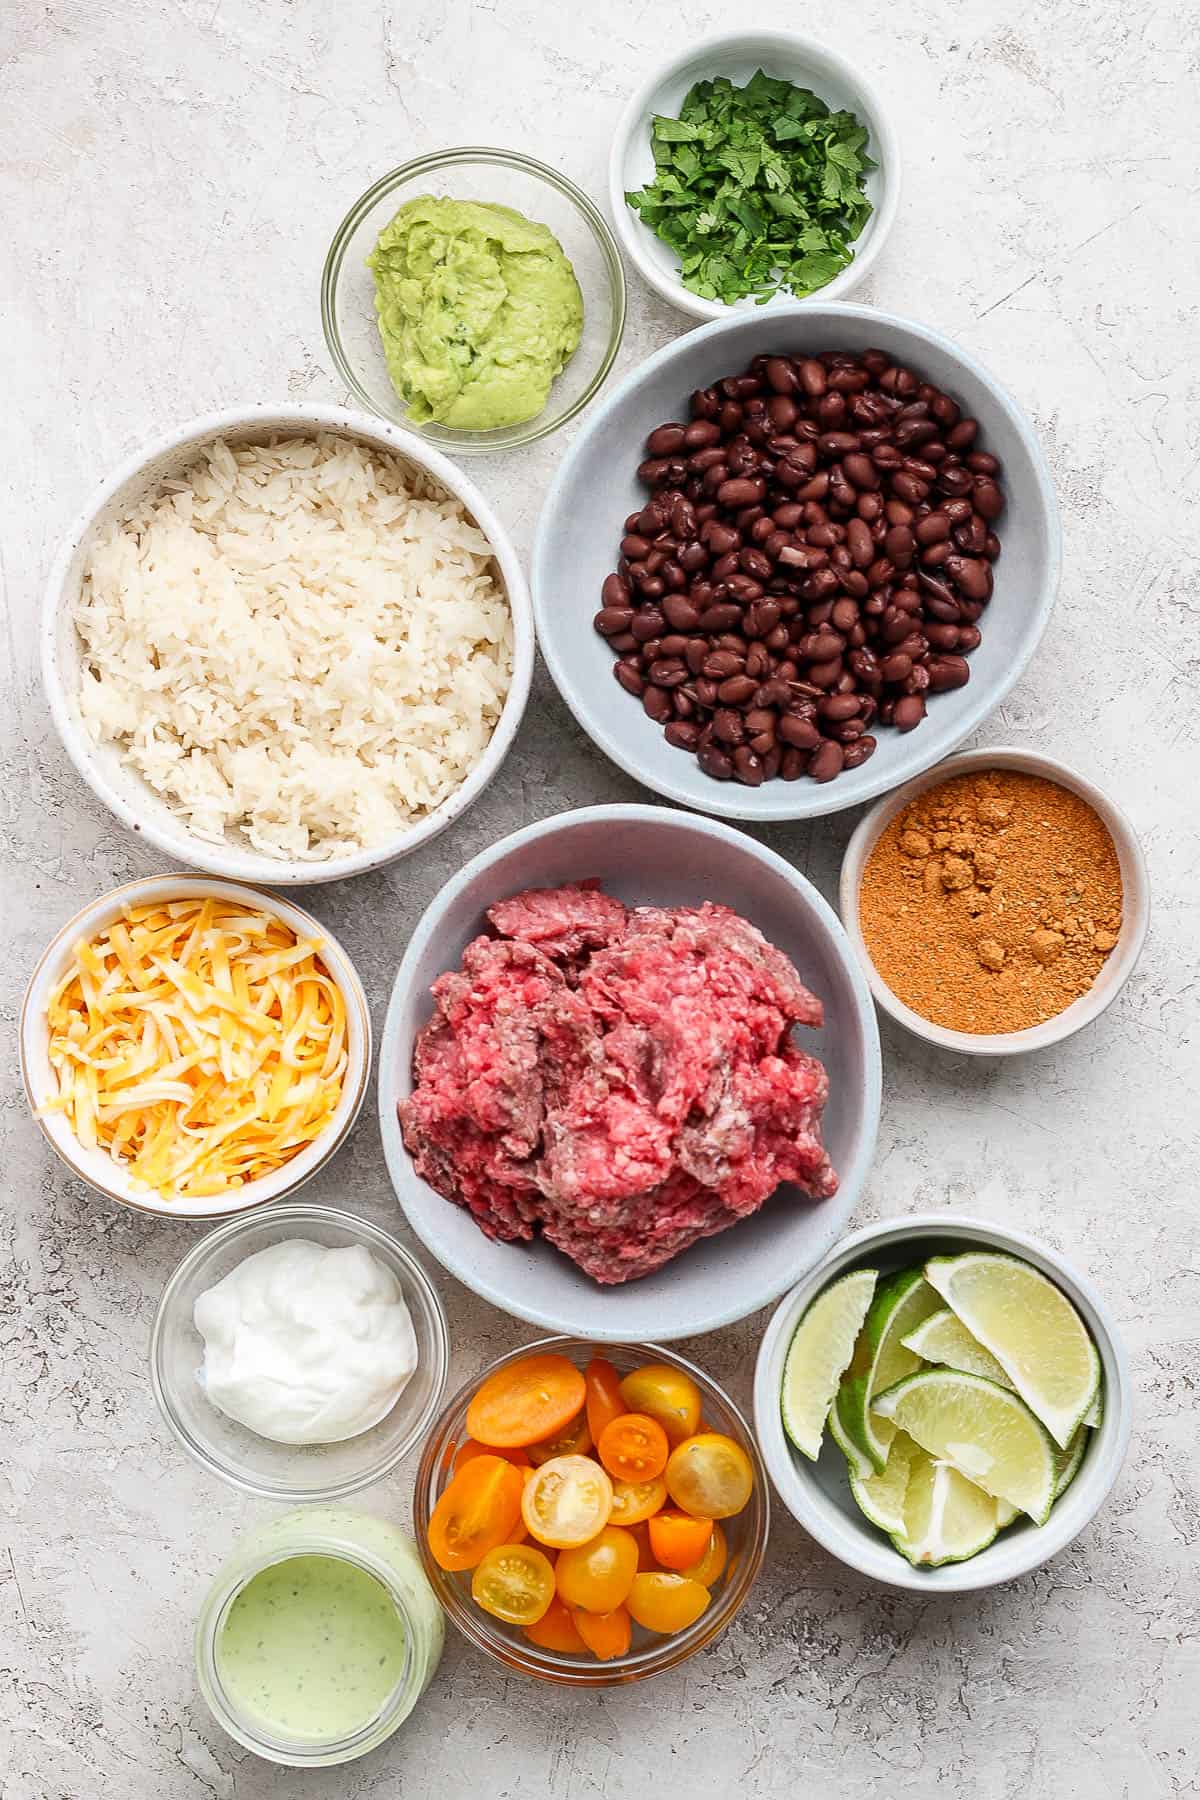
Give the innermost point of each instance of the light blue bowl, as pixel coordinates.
(647, 855)
(581, 527)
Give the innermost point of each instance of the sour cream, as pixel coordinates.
(304, 1344)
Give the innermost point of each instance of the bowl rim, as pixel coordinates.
(620, 1671)
(229, 861)
(885, 144)
(183, 884)
(729, 800)
(469, 443)
(852, 1178)
(361, 1231)
(1135, 912)
(857, 1544)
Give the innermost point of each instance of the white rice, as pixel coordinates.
(303, 641)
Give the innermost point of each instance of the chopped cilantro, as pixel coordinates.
(757, 188)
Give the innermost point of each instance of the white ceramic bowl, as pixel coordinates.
(646, 855)
(291, 1473)
(96, 1167)
(818, 1494)
(121, 789)
(580, 529)
(737, 54)
(1117, 969)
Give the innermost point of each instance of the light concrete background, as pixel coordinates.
(171, 172)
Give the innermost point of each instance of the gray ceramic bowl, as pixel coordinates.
(581, 522)
(646, 855)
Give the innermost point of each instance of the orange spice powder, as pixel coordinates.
(992, 901)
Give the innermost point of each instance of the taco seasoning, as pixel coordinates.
(992, 901)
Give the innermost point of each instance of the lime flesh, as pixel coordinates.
(943, 1338)
(946, 1517)
(880, 1497)
(987, 1433)
(880, 1358)
(820, 1349)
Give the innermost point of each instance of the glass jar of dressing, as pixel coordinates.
(318, 1637)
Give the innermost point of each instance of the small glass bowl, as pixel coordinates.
(499, 177)
(649, 1654)
(291, 1472)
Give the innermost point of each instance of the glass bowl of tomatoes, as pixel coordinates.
(591, 1514)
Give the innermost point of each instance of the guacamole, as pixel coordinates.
(478, 308)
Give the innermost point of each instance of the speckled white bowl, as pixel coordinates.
(818, 1494)
(1119, 966)
(121, 789)
(646, 855)
(737, 54)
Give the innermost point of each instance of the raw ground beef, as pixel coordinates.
(624, 1082)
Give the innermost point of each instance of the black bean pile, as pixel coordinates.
(812, 563)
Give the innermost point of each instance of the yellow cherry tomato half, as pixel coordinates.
(665, 1394)
(596, 1576)
(556, 1630)
(526, 1401)
(605, 1634)
(566, 1501)
(634, 1501)
(604, 1402)
(575, 1439)
(711, 1565)
(480, 1509)
(678, 1540)
(710, 1476)
(666, 1602)
(633, 1448)
(514, 1582)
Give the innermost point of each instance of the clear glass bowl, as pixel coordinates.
(500, 177)
(257, 1465)
(649, 1654)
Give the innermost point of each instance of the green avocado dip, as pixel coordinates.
(478, 308)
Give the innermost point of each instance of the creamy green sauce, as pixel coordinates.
(311, 1648)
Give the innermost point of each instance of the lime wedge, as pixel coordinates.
(880, 1359)
(1031, 1329)
(943, 1338)
(858, 1462)
(1066, 1462)
(988, 1433)
(820, 1349)
(881, 1497)
(1006, 1512)
(946, 1517)
(1095, 1412)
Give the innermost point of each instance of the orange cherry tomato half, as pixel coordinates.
(596, 1576)
(566, 1501)
(634, 1501)
(469, 1449)
(556, 1630)
(647, 1560)
(678, 1540)
(479, 1509)
(605, 1634)
(666, 1602)
(526, 1401)
(711, 1565)
(710, 1476)
(633, 1447)
(514, 1582)
(665, 1394)
(604, 1402)
(575, 1439)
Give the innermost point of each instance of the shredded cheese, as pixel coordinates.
(200, 1044)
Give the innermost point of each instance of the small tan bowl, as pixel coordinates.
(96, 1167)
(1135, 908)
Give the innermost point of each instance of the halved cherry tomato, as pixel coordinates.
(647, 1561)
(469, 1449)
(711, 1565)
(710, 1476)
(678, 1540)
(665, 1394)
(666, 1602)
(556, 1630)
(605, 1634)
(480, 1509)
(633, 1447)
(597, 1575)
(514, 1582)
(566, 1501)
(575, 1439)
(634, 1501)
(604, 1402)
(526, 1401)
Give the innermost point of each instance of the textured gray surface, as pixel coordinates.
(170, 174)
